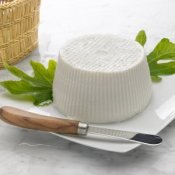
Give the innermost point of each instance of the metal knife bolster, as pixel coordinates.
(82, 128)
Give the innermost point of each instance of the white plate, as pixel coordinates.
(156, 116)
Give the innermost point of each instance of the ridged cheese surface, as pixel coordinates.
(101, 79)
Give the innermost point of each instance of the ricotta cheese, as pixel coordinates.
(101, 79)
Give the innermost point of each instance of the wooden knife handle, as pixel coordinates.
(30, 120)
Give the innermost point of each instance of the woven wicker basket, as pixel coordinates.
(18, 29)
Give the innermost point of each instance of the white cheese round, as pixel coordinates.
(101, 78)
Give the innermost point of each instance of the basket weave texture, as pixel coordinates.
(18, 29)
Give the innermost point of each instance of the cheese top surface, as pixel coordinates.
(102, 53)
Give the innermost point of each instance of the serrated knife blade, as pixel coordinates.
(141, 138)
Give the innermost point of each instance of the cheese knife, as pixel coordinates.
(25, 119)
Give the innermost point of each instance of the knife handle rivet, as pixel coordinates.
(82, 128)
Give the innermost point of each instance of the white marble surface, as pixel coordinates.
(24, 152)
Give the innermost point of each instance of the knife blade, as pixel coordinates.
(142, 138)
(25, 119)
